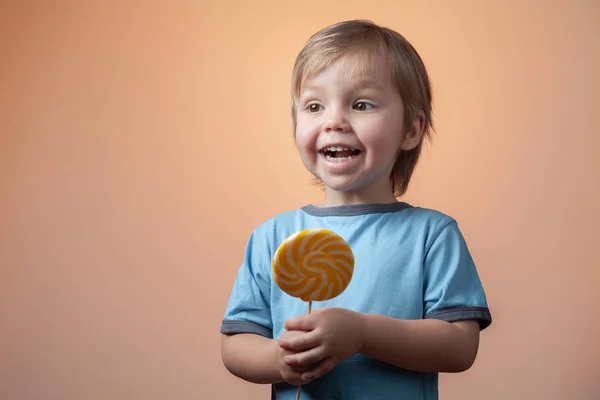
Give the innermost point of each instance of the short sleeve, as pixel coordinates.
(452, 288)
(248, 309)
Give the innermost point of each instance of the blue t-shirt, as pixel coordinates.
(410, 263)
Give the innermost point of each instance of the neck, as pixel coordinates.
(370, 195)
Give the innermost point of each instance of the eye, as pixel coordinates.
(362, 106)
(314, 107)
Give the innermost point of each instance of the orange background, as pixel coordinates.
(142, 141)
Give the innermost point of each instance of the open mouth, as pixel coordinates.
(337, 154)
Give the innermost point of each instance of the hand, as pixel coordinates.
(290, 374)
(331, 336)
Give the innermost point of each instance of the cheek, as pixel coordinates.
(383, 145)
(306, 141)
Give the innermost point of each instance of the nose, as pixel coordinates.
(336, 121)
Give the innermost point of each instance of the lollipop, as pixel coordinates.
(313, 265)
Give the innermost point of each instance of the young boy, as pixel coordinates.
(415, 305)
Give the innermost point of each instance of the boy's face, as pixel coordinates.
(349, 130)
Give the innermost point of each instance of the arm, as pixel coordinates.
(251, 357)
(420, 345)
(452, 292)
(247, 350)
(334, 334)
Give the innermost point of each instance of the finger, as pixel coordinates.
(308, 357)
(294, 375)
(304, 322)
(302, 368)
(295, 379)
(301, 342)
(297, 368)
(290, 334)
(323, 368)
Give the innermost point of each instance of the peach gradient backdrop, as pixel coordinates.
(141, 142)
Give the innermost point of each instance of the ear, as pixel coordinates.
(414, 132)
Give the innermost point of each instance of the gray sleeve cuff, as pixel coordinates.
(481, 314)
(232, 327)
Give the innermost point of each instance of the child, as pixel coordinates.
(415, 305)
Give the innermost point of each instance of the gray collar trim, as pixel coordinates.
(355, 209)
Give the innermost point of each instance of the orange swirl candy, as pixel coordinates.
(313, 265)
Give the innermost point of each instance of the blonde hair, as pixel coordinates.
(366, 43)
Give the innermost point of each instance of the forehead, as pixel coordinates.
(361, 66)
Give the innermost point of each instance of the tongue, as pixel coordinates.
(344, 153)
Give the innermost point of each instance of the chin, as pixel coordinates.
(341, 186)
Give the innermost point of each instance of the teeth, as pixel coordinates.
(334, 148)
(337, 149)
(338, 159)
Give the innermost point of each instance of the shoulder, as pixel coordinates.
(427, 219)
(429, 226)
(430, 215)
